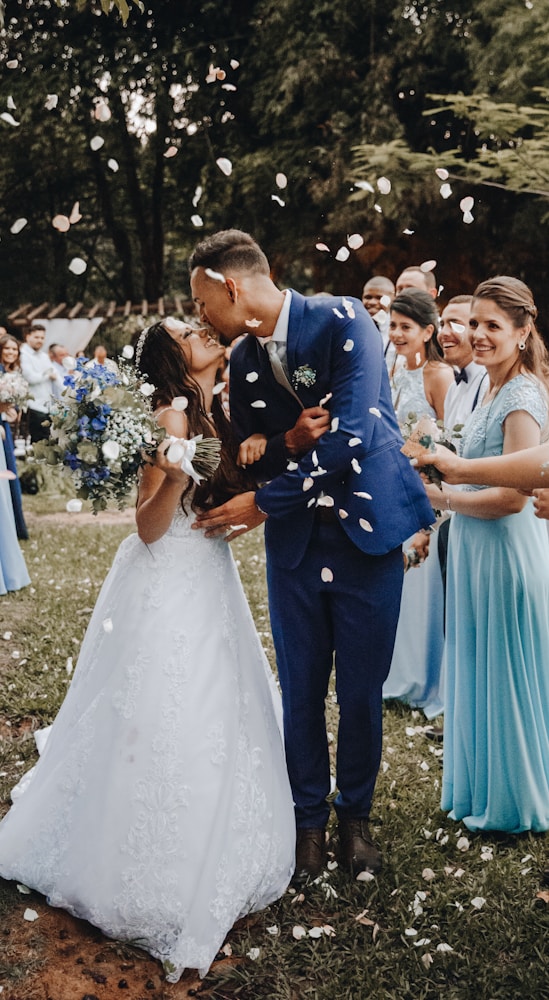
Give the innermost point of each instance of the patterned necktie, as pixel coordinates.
(461, 376)
(278, 369)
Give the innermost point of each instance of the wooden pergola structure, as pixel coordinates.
(26, 314)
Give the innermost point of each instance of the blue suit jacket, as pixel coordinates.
(378, 497)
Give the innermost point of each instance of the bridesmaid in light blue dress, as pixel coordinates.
(419, 387)
(496, 731)
(13, 571)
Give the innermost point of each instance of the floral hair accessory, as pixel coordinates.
(304, 375)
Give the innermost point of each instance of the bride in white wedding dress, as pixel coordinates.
(160, 809)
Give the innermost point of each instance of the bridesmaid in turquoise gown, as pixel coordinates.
(496, 735)
(13, 571)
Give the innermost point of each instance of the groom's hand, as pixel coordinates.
(233, 518)
(309, 427)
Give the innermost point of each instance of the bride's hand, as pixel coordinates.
(450, 466)
(172, 470)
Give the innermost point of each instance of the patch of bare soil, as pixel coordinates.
(57, 957)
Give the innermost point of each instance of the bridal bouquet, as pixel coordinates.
(14, 389)
(103, 429)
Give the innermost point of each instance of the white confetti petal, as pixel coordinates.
(354, 441)
(73, 506)
(279, 201)
(308, 483)
(259, 404)
(316, 932)
(323, 247)
(127, 352)
(10, 103)
(410, 932)
(51, 102)
(445, 190)
(274, 931)
(365, 496)
(342, 254)
(337, 313)
(197, 221)
(218, 388)
(422, 942)
(457, 327)
(478, 902)
(428, 265)
(326, 575)
(224, 165)
(466, 204)
(444, 947)
(252, 376)
(299, 932)
(7, 635)
(383, 185)
(234, 64)
(355, 241)
(97, 142)
(253, 323)
(463, 844)
(328, 930)
(408, 232)
(292, 466)
(197, 195)
(254, 954)
(442, 173)
(9, 119)
(77, 265)
(281, 181)
(364, 524)
(214, 275)
(343, 513)
(75, 215)
(107, 625)
(102, 111)
(69, 666)
(61, 223)
(356, 466)
(113, 165)
(365, 877)
(23, 889)
(30, 915)
(428, 874)
(12, 64)
(334, 424)
(18, 225)
(364, 186)
(468, 218)
(180, 403)
(146, 388)
(171, 151)
(325, 501)
(348, 345)
(349, 308)
(374, 411)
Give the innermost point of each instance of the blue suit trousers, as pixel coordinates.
(348, 622)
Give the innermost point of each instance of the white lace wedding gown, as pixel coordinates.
(160, 809)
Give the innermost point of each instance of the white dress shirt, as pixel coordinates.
(35, 367)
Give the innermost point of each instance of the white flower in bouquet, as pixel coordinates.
(14, 389)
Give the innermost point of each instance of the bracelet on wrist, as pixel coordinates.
(448, 501)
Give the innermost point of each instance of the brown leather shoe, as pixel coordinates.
(358, 852)
(310, 853)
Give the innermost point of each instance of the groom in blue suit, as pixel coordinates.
(338, 498)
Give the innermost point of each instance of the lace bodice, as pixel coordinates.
(483, 431)
(408, 393)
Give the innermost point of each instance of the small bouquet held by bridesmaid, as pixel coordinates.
(423, 434)
(103, 429)
(14, 390)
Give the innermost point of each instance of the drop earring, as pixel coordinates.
(521, 346)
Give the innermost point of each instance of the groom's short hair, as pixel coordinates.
(229, 249)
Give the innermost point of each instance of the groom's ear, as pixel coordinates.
(232, 292)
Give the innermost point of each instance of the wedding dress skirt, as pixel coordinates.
(160, 809)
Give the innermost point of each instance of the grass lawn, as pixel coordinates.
(453, 915)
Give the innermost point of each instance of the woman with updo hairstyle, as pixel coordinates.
(160, 809)
(419, 389)
(496, 732)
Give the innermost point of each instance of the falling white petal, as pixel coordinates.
(467, 203)
(348, 345)
(299, 932)
(408, 232)
(374, 411)
(73, 506)
(364, 186)
(197, 195)
(12, 64)
(468, 217)
(279, 201)
(113, 165)
(478, 902)
(334, 424)
(342, 254)
(180, 403)
(316, 932)
(281, 181)
(254, 954)
(171, 151)
(292, 466)
(308, 483)
(354, 441)
(253, 323)
(51, 102)
(77, 265)
(364, 524)
(224, 165)
(197, 221)
(215, 275)
(107, 625)
(102, 112)
(326, 575)
(10, 103)
(218, 388)
(355, 241)
(428, 265)
(128, 352)
(383, 185)
(252, 376)
(444, 947)
(356, 467)
(323, 247)
(365, 877)
(146, 388)
(445, 190)
(259, 404)
(337, 313)
(111, 450)
(442, 173)
(61, 223)
(75, 215)
(234, 64)
(362, 495)
(385, 301)
(96, 142)
(18, 225)
(343, 513)
(30, 915)
(349, 308)
(9, 119)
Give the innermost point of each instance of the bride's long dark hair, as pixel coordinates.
(164, 364)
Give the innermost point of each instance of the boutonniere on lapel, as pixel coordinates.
(304, 375)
